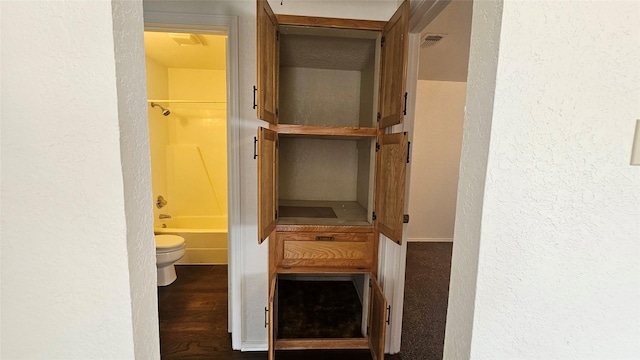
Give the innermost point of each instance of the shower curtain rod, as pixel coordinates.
(187, 102)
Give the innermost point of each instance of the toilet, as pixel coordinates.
(169, 249)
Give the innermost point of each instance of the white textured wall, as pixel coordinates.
(435, 155)
(254, 267)
(128, 27)
(78, 277)
(554, 245)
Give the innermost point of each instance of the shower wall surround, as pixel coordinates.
(189, 156)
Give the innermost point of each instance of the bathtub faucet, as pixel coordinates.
(164, 216)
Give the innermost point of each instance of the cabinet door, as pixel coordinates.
(267, 188)
(377, 320)
(273, 316)
(390, 181)
(267, 50)
(394, 67)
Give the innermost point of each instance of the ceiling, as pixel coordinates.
(448, 59)
(211, 55)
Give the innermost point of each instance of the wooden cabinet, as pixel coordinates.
(322, 249)
(363, 328)
(330, 174)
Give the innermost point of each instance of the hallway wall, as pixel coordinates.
(435, 153)
(545, 257)
(78, 257)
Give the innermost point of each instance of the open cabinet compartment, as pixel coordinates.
(321, 306)
(328, 77)
(327, 311)
(325, 180)
(306, 85)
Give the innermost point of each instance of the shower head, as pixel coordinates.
(165, 111)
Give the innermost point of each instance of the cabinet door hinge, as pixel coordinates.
(405, 218)
(408, 151)
(277, 214)
(277, 35)
(277, 112)
(367, 330)
(377, 147)
(382, 42)
(277, 143)
(378, 117)
(370, 283)
(373, 216)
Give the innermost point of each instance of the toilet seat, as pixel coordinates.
(168, 243)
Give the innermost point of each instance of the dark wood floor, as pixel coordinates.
(193, 313)
(193, 321)
(193, 316)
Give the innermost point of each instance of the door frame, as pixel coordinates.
(227, 25)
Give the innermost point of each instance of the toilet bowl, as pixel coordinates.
(169, 249)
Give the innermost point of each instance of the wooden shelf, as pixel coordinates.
(305, 344)
(323, 270)
(286, 129)
(340, 228)
(330, 22)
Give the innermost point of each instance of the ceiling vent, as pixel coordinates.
(431, 39)
(186, 39)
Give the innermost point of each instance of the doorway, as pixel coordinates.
(187, 105)
(228, 27)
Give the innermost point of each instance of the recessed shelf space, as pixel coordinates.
(328, 77)
(301, 212)
(320, 306)
(325, 180)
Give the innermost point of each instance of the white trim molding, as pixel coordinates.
(248, 345)
(228, 25)
(423, 12)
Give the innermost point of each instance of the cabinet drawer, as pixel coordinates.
(319, 249)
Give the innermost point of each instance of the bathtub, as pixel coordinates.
(206, 237)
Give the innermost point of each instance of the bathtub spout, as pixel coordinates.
(164, 216)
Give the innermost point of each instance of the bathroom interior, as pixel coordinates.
(186, 92)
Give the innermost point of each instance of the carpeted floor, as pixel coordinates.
(426, 295)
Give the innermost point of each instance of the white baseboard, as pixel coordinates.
(254, 346)
(429, 239)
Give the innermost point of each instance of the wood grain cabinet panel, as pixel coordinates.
(337, 251)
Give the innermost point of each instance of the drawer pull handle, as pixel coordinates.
(325, 238)
(255, 105)
(266, 317)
